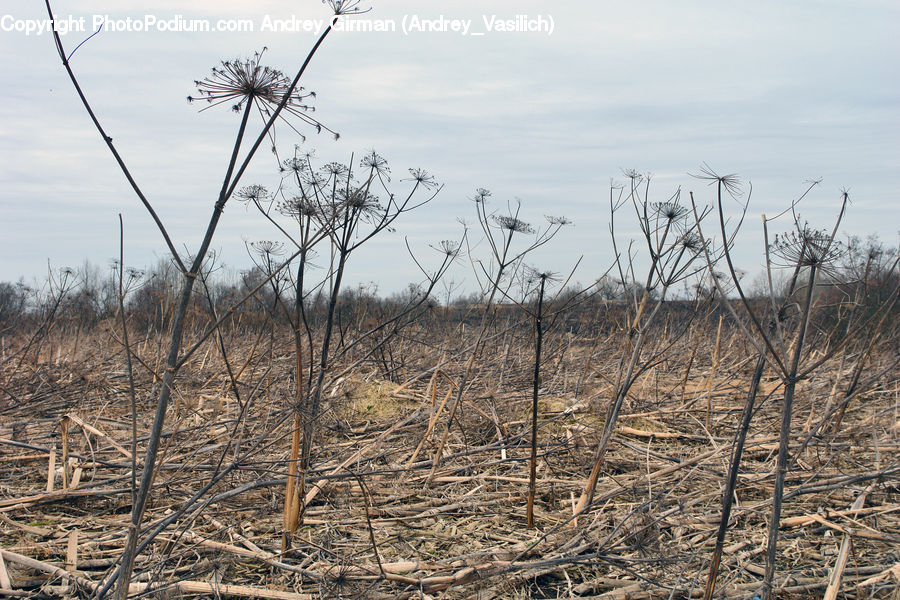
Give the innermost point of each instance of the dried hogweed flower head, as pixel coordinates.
(670, 211)
(423, 178)
(239, 82)
(299, 208)
(376, 163)
(299, 164)
(692, 242)
(315, 181)
(513, 225)
(731, 183)
(634, 175)
(360, 203)
(807, 247)
(335, 169)
(481, 195)
(268, 248)
(296, 165)
(534, 275)
(553, 220)
(252, 193)
(449, 248)
(345, 7)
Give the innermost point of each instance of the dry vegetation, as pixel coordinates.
(383, 521)
(168, 435)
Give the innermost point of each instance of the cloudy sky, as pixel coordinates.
(779, 92)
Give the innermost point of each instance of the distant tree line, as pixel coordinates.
(85, 296)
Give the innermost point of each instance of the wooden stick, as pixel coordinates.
(650, 434)
(191, 587)
(890, 573)
(14, 503)
(75, 419)
(864, 533)
(431, 423)
(46, 568)
(834, 581)
(5, 583)
(244, 591)
(51, 470)
(40, 456)
(39, 531)
(831, 514)
(72, 552)
(64, 431)
(712, 373)
(76, 478)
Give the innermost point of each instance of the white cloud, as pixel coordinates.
(779, 92)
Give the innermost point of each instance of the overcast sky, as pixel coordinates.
(779, 92)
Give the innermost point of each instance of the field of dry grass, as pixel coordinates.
(664, 432)
(387, 517)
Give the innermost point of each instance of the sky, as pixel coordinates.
(779, 92)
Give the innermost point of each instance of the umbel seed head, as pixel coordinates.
(807, 247)
(512, 224)
(252, 193)
(670, 211)
(243, 82)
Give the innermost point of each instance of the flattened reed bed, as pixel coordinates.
(374, 528)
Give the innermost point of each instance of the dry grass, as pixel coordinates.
(649, 533)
